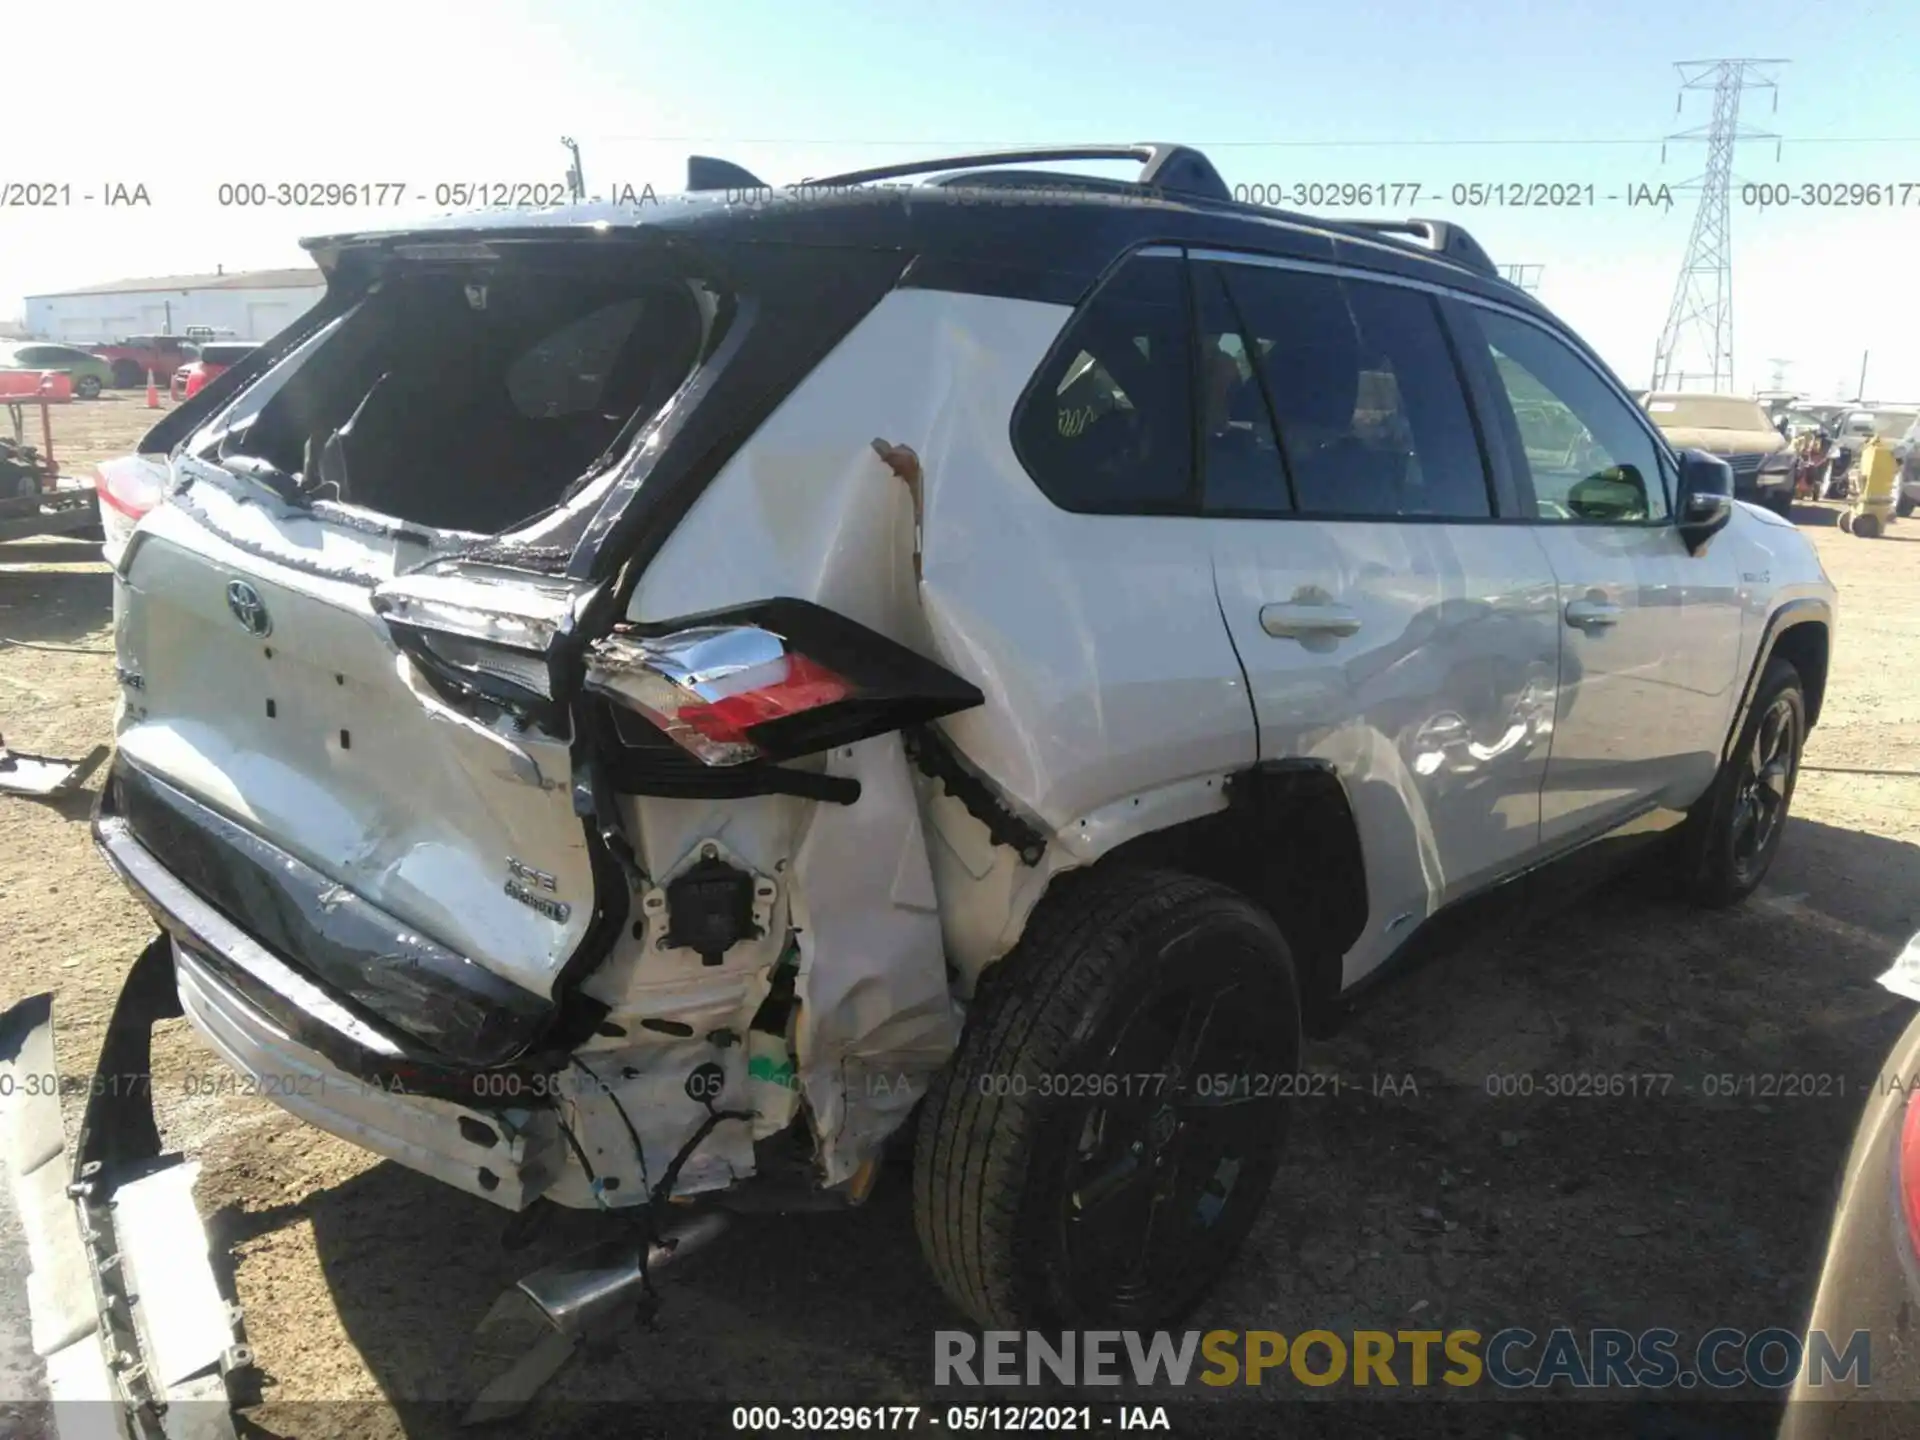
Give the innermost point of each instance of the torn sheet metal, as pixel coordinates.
(876, 1018)
(129, 1327)
(41, 777)
(1903, 979)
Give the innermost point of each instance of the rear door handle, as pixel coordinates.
(1300, 621)
(1592, 614)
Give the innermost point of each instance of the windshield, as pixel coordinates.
(1707, 412)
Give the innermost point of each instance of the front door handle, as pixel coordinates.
(1298, 621)
(1592, 614)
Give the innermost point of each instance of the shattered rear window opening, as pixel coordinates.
(474, 398)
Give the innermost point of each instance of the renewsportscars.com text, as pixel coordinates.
(1510, 1359)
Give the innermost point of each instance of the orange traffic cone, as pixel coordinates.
(153, 391)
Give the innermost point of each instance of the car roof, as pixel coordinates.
(1043, 223)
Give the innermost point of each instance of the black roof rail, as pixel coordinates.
(1177, 168)
(1443, 237)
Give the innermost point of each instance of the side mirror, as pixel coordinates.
(1706, 497)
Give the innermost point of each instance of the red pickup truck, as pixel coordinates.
(135, 355)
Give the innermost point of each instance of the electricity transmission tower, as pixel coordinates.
(1702, 309)
(1527, 277)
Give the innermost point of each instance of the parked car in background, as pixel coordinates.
(214, 358)
(1858, 425)
(1907, 452)
(1805, 419)
(89, 373)
(1740, 432)
(135, 355)
(1870, 1276)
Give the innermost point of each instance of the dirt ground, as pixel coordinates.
(1439, 1206)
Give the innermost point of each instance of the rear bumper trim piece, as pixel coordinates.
(273, 924)
(131, 1332)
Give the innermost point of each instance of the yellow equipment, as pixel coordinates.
(1872, 509)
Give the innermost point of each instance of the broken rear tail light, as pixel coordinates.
(1909, 1173)
(770, 681)
(130, 484)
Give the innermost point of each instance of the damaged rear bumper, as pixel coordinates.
(320, 1061)
(130, 1330)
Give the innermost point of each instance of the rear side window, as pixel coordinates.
(1366, 397)
(1105, 427)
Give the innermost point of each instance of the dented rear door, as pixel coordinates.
(259, 679)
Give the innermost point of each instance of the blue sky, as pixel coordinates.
(1394, 93)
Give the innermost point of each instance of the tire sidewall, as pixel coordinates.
(1040, 1234)
(1724, 873)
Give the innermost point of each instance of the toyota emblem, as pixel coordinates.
(248, 608)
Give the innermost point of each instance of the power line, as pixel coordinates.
(1702, 306)
(1524, 275)
(1421, 143)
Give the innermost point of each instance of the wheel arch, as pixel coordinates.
(1800, 631)
(1286, 838)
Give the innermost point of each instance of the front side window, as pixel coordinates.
(1105, 427)
(1366, 398)
(1587, 455)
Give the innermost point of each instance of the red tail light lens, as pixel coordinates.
(130, 484)
(708, 687)
(771, 681)
(1910, 1172)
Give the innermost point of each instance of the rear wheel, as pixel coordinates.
(87, 387)
(1745, 814)
(1867, 526)
(127, 375)
(1108, 1132)
(1903, 507)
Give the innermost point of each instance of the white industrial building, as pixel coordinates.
(246, 305)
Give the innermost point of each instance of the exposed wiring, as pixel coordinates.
(62, 649)
(658, 1194)
(639, 1150)
(593, 1180)
(714, 1117)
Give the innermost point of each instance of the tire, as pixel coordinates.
(1867, 526)
(127, 375)
(1057, 1183)
(1745, 813)
(1782, 505)
(87, 387)
(1903, 507)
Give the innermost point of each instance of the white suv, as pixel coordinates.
(627, 704)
